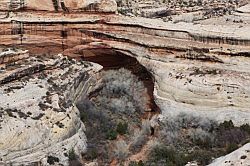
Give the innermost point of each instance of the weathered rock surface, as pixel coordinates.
(199, 68)
(59, 5)
(38, 118)
(238, 157)
(168, 10)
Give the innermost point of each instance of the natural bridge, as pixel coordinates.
(197, 68)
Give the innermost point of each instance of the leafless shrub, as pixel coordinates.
(201, 137)
(231, 136)
(122, 91)
(140, 137)
(121, 150)
(197, 128)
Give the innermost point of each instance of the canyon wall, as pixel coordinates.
(59, 5)
(39, 122)
(198, 68)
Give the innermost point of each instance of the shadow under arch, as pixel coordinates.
(111, 58)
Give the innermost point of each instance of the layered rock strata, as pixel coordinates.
(239, 157)
(38, 119)
(59, 5)
(199, 68)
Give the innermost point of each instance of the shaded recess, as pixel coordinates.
(113, 59)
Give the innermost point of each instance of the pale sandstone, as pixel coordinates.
(38, 115)
(239, 157)
(212, 80)
(47, 5)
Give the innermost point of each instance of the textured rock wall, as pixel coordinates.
(12, 56)
(38, 118)
(207, 74)
(59, 5)
(198, 68)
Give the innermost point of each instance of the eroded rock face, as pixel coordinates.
(38, 118)
(239, 157)
(59, 5)
(199, 68)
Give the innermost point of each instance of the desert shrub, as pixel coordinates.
(112, 134)
(195, 138)
(123, 91)
(245, 127)
(226, 125)
(87, 110)
(198, 130)
(72, 155)
(75, 163)
(85, 107)
(113, 108)
(203, 157)
(231, 147)
(121, 150)
(122, 104)
(146, 127)
(73, 158)
(163, 155)
(201, 138)
(97, 121)
(140, 137)
(83, 116)
(210, 139)
(229, 136)
(188, 120)
(138, 140)
(134, 163)
(122, 128)
(91, 154)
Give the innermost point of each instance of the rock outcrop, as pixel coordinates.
(59, 5)
(238, 157)
(39, 123)
(199, 68)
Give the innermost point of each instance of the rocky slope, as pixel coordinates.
(199, 68)
(238, 157)
(39, 123)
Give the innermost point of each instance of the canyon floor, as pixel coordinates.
(130, 83)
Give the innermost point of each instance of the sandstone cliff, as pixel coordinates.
(59, 6)
(38, 118)
(199, 68)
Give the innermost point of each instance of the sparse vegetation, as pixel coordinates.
(122, 92)
(196, 139)
(134, 163)
(72, 155)
(115, 108)
(245, 127)
(226, 125)
(112, 134)
(92, 153)
(140, 137)
(122, 128)
(231, 147)
(121, 150)
(162, 154)
(113, 118)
